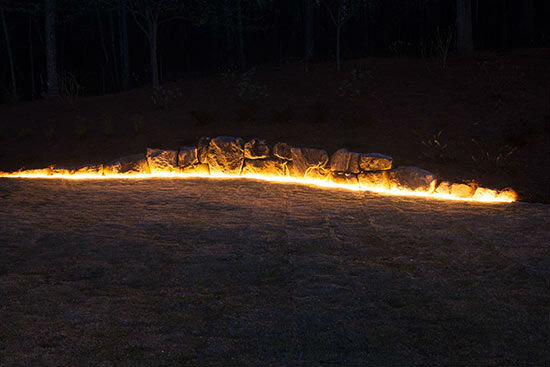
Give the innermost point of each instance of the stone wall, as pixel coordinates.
(226, 155)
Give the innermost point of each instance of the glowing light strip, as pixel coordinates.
(482, 196)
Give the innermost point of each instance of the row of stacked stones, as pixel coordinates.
(232, 156)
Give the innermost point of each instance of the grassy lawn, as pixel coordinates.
(226, 273)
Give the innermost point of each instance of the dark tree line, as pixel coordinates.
(50, 47)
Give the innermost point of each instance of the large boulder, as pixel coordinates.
(162, 160)
(271, 167)
(304, 159)
(373, 180)
(225, 155)
(283, 151)
(133, 164)
(256, 149)
(411, 178)
(375, 162)
(202, 149)
(187, 156)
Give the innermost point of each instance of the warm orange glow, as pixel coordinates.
(481, 194)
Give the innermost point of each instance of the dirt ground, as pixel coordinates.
(485, 119)
(238, 272)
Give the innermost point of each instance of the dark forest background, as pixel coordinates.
(106, 46)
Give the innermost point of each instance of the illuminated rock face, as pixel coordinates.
(375, 162)
(444, 188)
(304, 159)
(196, 169)
(377, 179)
(187, 156)
(256, 149)
(161, 160)
(225, 155)
(342, 178)
(412, 178)
(456, 189)
(132, 164)
(93, 169)
(272, 167)
(345, 161)
(202, 149)
(339, 161)
(462, 190)
(282, 151)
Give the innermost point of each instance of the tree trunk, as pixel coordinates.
(153, 49)
(504, 38)
(114, 68)
(229, 34)
(527, 21)
(309, 30)
(464, 40)
(10, 56)
(31, 58)
(338, 31)
(51, 50)
(242, 62)
(124, 57)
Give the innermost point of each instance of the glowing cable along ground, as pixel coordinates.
(481, 195)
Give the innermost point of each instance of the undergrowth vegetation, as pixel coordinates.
(202, 117)
(437, 149)
(162, 97)
(488, 156)
(250, 88)
(138, 124)
(108, 129)
(492, 157)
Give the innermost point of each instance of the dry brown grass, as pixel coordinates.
(198, 272)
